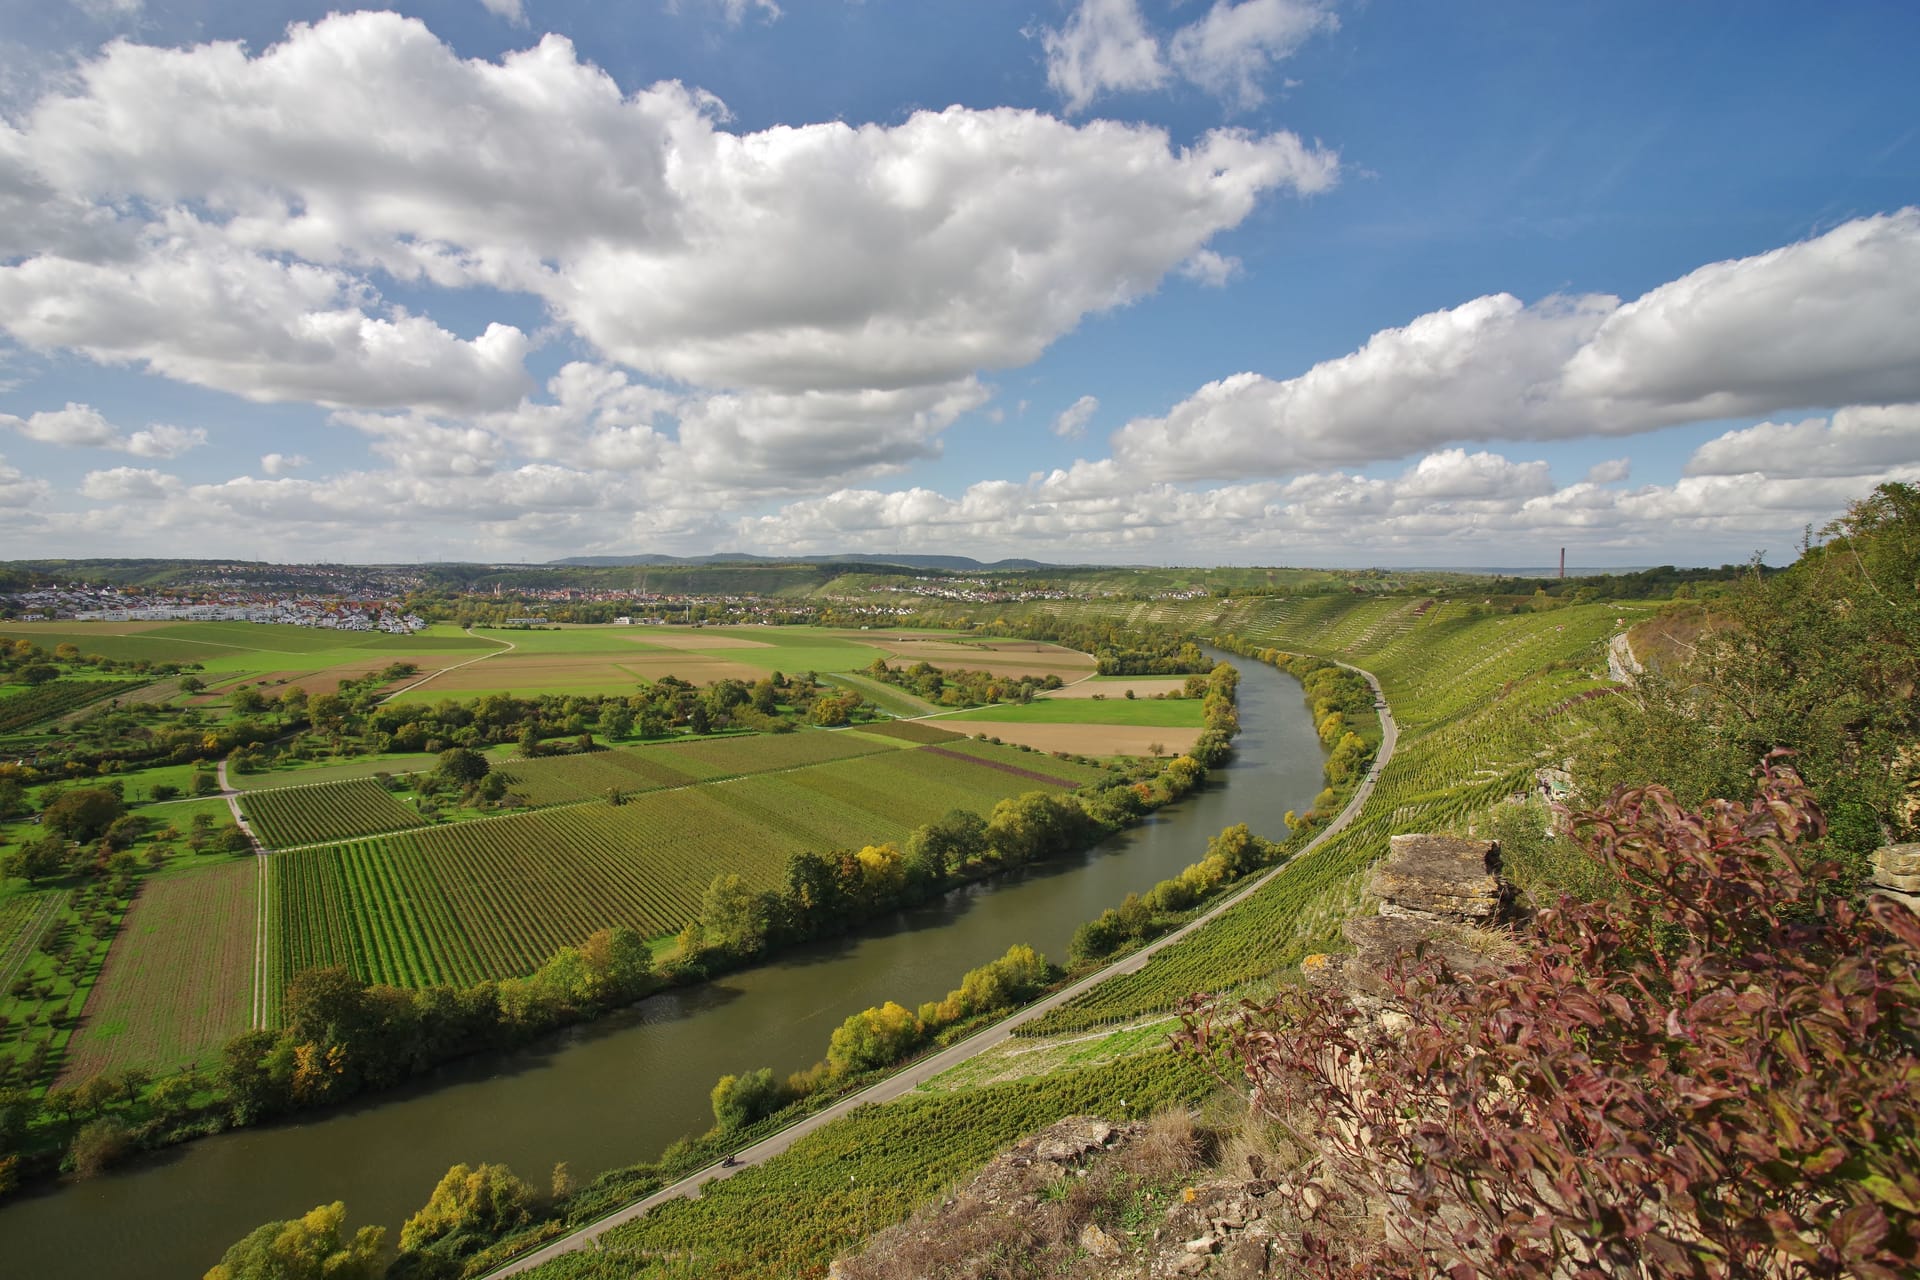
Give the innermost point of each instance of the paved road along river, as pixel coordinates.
(623, 1088)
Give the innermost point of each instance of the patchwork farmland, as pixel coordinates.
(496, 897)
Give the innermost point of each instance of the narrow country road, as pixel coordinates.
(435, 675)
(914, 1075)
(258, 1016)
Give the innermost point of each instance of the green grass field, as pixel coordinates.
(1159, 713)
(893, 701)
(178, 981)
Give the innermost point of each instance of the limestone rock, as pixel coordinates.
(1911, 901)
(1072, 1138)
(1378, 941)
(1896, 860)
(1443, 878)
(1896, 871)
(1098, 1243)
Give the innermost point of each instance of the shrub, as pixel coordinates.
(740, 1100)
(1714, 1075)
(99, 1146)
(874, 1038)
(486, 1200)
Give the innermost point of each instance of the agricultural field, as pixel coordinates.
(597, 659)
(310, 656)
(997, 657)
(1166, 713)
(324, 812)
(1120, 687)
(24, 917)
(894, 701)
(1082, 726)
(590, 776)
(792, 1215)
(579, 778)
(23, 706)
(299, 774)
(496, 897)
(1102, 740)
(922, 731)
(178, 981)
(53, 941)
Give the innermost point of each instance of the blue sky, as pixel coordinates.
(1275, 281)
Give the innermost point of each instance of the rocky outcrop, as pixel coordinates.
(1015, 1202)
(1896, 873)
(1443, 878)
(1089, 1200)
(1622, 665)
(1443, 893)
(1085, 1199)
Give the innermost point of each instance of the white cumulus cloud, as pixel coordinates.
(1106, 47)
(75, 426)
(1822, 322)
(246, 252)
(82, 426)
(1856, 441)
(1229, 52)
(130, 484)
(163, 441)
(513, 11)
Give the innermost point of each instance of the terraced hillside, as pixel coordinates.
(1483, 700)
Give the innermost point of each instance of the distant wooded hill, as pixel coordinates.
(742, 557)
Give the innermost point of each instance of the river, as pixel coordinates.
(623, 1088)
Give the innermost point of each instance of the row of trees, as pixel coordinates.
(29, 663)
(961, 687)
(1233, 854)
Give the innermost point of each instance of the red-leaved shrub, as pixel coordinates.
(1715, 1075)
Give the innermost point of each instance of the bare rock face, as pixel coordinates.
(1440, 893)
(1379, 941)
(1223, 1227)
(1069, 1139)
(1443, 878)
(1226, 1227)
(1896, 873)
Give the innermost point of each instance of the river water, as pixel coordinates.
(623, 1088)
